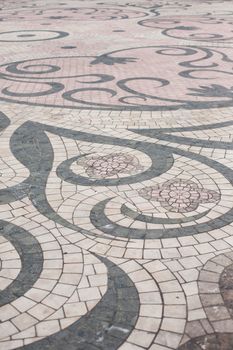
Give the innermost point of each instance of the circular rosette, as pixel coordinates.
(161, 208)
(179, 196)
(109, 165)
(113, 165)
(155, 191)
(155, 208)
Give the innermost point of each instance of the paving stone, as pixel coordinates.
(116, 175)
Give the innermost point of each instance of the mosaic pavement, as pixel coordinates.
(116, 174)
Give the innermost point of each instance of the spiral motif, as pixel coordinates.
(116, 175)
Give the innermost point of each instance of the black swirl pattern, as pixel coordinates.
(201, 74)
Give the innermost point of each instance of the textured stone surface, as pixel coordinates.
(116, 172)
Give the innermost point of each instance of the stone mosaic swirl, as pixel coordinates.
(77, 293)
(116, 175)
(199, 28)
(124, 80)
(72, 13)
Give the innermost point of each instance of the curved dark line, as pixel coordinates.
(116, 11)
(141, 146)
(155, 133)
(106, 326)
(208, 54)
(32, 148)
(103, 78)
(122, 85)
(60, 35)
(153, 20)
(12, 68)
(68, 95)
(144, 96)
(224, 219)
(126, 100)
(153, 220)
(215, 37)
(190, 49)
(55, 87)
(186, 48)
(186, 128)
(41, 163)
(224, 56)
(207, 341)
(4, 121)
(188, 73)
(136, 94)
(187, 106)
(19, 191)
(14, 193)
(99, 219)
(31, 256)
(161, 162)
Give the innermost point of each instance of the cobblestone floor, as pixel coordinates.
(116, 174)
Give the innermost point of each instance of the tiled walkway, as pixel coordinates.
(116, 174)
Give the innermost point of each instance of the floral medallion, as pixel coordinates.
(179, 195)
